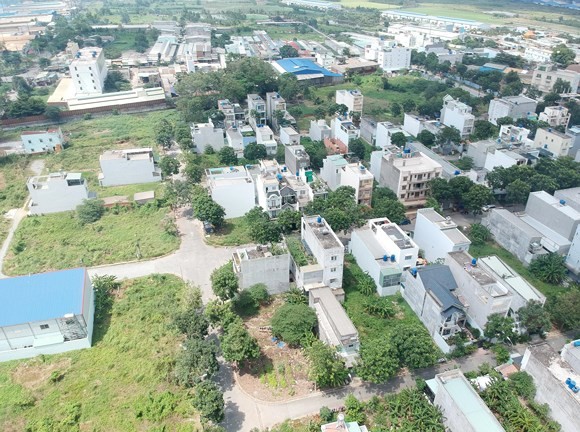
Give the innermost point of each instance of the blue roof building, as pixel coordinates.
(307, 70)
(45, 313)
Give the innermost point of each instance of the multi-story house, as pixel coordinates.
(546, 75)
(274, 104)
(132, 166)
(256, 110)
(555, 116)
(319, 130)
(88, 71)
(516, 107)
(385, 131)
(384, 252)
(289, 136)
(353, 99)
(262, 264)
(233, 189)
(206, 134)
(344, 130)
(233, 112)
(336, 172)
(57, 192)
(265, 136)
(555, 142)
(458, 115)
(268, 192)
(296, 158)
(42, 141)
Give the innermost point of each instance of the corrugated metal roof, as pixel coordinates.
(41, 296)
(300, 66)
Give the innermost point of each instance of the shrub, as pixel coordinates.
(292, 322)
(523, 384)
(224, 282)
(502, 355)
(90, 211)
(479, 234)
(326, 414)
(156, 406)
(295, 296)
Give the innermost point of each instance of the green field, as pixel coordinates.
(234, 232)
(58, 241)
(104, 388)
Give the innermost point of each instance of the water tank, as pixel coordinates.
(407, 151)
(457, 172)
(512, 138)
(562, 202)
(297, 173)
(414, 271)
(474, 262)
(577, 343)
(319, 219)
(393, 258)
(385, 258)
(279, 177)
(568, 380)
(549, 129)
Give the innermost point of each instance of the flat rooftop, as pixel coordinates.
(132, 154)
(397, 235)
(571, 196)
(445, 225)
(377, 251)
(334, 312)
(481, 276)
(41, 296)
(86, 55)
(323, 232)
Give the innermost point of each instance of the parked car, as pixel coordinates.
(487, 207)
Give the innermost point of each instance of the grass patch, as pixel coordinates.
(487, 249)
(131, 359)
(234, 232)
(13, 192)
(58, 241)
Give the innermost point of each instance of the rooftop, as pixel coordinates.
(337, 160)
(571, 196)
(334, 311)
(300, 66)
(556, 132)
(87, 55)
(516, 100)
(557, 204)
(446, 225)
(439, 281)
(259, 251)
(376, 249)
(481, 276)
(323, 232)
(41, 296)
(130, 154)
(516, 221)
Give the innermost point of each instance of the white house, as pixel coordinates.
(256, 110)
(132, 166)
(296, 158)
(556, 142)
(385, 131)
(206, 134)
(258, 265)
(265, 136)
(515, 107)
(353, 99)
(414, 125)
(390, 58)
(555, 116)
(384, 251)
(88, 71)
(57, 192)
(233, 189)
(42, 141)
(268, 193)
(437, 235)
(47, 313)
(337, 172)
(503, 158)
(546, 75)
(319, 130)
(289, 136)
(233, 112)
(458, 115)
(553, 213)
(344, 130)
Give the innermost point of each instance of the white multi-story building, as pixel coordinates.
(515, 107)
(88, 71)
(557, 143)
(319, 130)
(206, 134)
(407, 173)
(289, 136)
(437, 235)
(414, 125)
(239, 137)
(510, 134)
(553, 213)
(296, 158)
(344, 130)
(275, 103)
(458, 115)
(265, 136)
(353, 99)
(256, 110)
(233, 189)
(42, 141)
(336, 172)
(546, 75)
(503, 158)
(268, 192)
(233, 112)
(258, 265)
(537, 54)
(57, 192)
(394, 59)
(555, 116)
(132, 166)
(385, 131)
(384, 251)
(573, 257)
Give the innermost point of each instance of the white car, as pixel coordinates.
(487, 207)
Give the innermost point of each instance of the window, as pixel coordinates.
(29, 141)
(332, 281)
(43, 326)
(77, 75)
(50, 140)
(408, 257)
(333, 270)
(76, 68)
(333, 258)
(402, 195)
(90, 68)
(404, 187)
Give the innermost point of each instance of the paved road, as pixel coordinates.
(193, 261)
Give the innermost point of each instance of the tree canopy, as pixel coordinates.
(293, 322)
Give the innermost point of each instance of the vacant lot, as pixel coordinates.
(13, 193)
(58, 241)
(234, 232)
(103, 388)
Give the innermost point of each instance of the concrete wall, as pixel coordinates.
(430, 239)
(573, 257)
(59, 197)
(237, 199)
(274, 272)
(207, 135)
(546, 209)
(45, 350)
(330, 259)
(117, 172)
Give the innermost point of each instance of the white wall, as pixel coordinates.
(236, 198)
(573, 258)
(58, 197)
(124, 171)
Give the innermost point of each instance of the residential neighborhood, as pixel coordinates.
(281, 215)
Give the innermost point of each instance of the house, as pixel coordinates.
(414, 124)
(437, 235)
(256, 110)
(515, 107)
(430, 292)
(337, 172)
(385, 132)
(88, 71)
(353, 99)
(407, 173)
(344, 130)
(553, 213)
(503, 158)
(444, 54)
(206, 134)
(319, 130)
(553, 375)
(239, 137)
(262, 264)
(479, 150)
(334, 326)
(233, 112)
(574, 133)
(46, 313)
(481, 290)
(42, 141)
(463, 409)
(296, 158)
(289, 136)
(265, 136)
(132, 166)
(555, 116)
(458, 115)
(233, 189)
(555, 142)
(383, 251)
(268, 193)
(325, 252)
(274, 104)
(546, 75)
(57, 192)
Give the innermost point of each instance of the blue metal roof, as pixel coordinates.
(41, 296)
(300, 66)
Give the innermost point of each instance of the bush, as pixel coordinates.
(523, 384)
(209, 401)
(156, 406)
(502, 355)
(549, 268)
(292, 322)
(326, 414)
(90, 211)
(224, 282)
(479, 234)
(295, 296)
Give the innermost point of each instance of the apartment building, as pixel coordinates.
(458, 115)
(296, 158)
(207, 135)
(57, 192)
(259, 265)
(353, 99)
(88, 71)
(383, 251)
(233, 189)
(555, 116)
(555, 142)
(515, 107)
(131, 166)
(545, 76)
(42, 141)
(336, 172)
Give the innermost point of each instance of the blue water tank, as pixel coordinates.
(562, 202)
(414, 271)
(393, 258)
(279, 177)
(474, 261)
(319, 219)
(457, 172)
(297, 173)
(568, 380)
(577, 343)
(385, 258)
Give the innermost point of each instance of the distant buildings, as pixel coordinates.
(555, 116)
(389, 58)
(233, 112)
(88, 71)
(133, 166)
(308, 71)
(458, 115)
(319, 130)
(314, 4)
(233, 189)
(57, 192)
(515, 107)
(456, 24)
(207, 135)
(545, 76)
(385, 132)
(256, 110)
(383, 251)
(42, 141)
(46, 313)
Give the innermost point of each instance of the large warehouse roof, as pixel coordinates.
(299, 66)
(41, 296)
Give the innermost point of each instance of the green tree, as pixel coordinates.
(193, 172)
(357, 147)
(499, 327)
(414, 346)
(103, 287)
(517, 191)
(238, 345)
(561, 86)
(53, 113)
(209, 401)
(289, 221)
(169, 166)
(396, 109)
(196, 362)
(164, 134)
(564, 308)
(535, 318)
(549, 268)
(409, 105)
(399, 139)
(288, 51)
(295, 296)
(562, 55)
(426, 138)
(255, 152)
(449, 135)
(477, 197)
(90, 211)
(262, 230)
(206, 209)
(523, 385)
(177, 193)
(483, 129)
(227, 156)
(479, 234)
(327, 369)
(224, 282)
(355, 410)
(292, 322)
(378, 361)
(289, 88)
(541, 182)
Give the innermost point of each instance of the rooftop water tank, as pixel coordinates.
(457, 172)
(562, 202)
(319, 219)
(385, 258)
(393, 257)
(577, 343)
(414, 271)
(474, 262)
